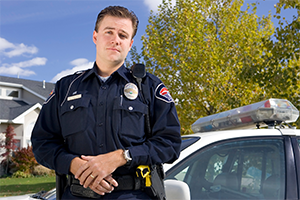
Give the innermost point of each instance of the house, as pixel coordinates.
(20, 103)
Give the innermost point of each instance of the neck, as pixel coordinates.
(106, 70)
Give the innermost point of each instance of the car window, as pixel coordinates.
(243, 169)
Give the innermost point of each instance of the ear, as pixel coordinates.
(130, 44)
(95, 34)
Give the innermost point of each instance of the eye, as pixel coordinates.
(123, 36)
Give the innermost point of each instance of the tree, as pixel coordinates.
(279, 75)
(205, 51)
(9, 145)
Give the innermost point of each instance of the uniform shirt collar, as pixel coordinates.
(121, 71)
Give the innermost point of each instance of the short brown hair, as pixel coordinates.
(118, 11)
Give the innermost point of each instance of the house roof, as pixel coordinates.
(32, 86)
(10, 109)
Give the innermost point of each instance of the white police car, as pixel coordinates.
(218, 162)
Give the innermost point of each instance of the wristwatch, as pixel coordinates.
(127, 156)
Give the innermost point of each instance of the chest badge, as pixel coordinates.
(131, 91)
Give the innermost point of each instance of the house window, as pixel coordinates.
(12, 93)
(18, 144)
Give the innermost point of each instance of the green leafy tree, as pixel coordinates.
(279, 75)
(205, 51)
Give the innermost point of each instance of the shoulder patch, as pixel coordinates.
(52, 94)
(162, 93)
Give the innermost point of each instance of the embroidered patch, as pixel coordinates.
(162, 93)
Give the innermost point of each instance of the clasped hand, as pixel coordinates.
(96, 173)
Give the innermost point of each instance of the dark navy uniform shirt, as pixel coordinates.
(86, 116)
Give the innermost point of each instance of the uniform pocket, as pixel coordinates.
(129, 120)
(74, 116)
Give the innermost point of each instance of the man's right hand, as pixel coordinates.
(95, 171)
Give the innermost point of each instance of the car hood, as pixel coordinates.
(20, 197)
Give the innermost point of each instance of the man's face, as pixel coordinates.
(113, 40)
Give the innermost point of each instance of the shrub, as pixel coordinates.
(20, 174)
(24, 160)
(40, 170)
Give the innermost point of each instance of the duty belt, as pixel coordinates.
(125, 182)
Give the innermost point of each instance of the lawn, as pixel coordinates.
(20, 186)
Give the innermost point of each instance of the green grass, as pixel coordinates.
(20, 186)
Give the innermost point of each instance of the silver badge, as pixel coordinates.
(131, 91)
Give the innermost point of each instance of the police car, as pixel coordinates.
(249, 152)
(228, 159)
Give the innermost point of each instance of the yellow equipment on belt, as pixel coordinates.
(144, 171)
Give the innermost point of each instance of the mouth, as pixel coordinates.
(113, 49)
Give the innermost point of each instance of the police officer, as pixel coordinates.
(93, 125)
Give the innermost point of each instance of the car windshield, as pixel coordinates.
(235, 169)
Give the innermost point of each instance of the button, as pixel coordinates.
(104, 87)
(100, 124)
(71, 107)
(101, 145)
(130, 108)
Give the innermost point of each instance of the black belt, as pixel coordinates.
(125, 182)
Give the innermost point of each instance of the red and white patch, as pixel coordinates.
(162, 93)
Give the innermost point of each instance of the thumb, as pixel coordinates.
(86, 158)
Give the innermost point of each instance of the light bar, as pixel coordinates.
(269, 112)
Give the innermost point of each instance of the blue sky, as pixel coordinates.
(48, 39)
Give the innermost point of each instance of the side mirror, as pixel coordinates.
(177, 190)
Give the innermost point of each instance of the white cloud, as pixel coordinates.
(33, 62)
(17, 68)
(4, 44)
(9, 49)
(153, 4)
(80, 64)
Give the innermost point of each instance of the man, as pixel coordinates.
(93, 126)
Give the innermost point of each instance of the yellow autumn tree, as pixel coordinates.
(204, 51)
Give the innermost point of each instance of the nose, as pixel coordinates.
(115, 40)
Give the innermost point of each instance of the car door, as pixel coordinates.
(251, 168)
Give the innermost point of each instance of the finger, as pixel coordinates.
(104, 189)
(81, 170)
(106, 186)
(84, 176)
(86, 158)
(96, 182)
(98, 190)
(111, 180)
(89, 180)
(103, 183)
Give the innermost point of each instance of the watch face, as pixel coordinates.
(127, 155)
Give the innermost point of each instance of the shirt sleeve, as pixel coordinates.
(47, 141)
(164, 144)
